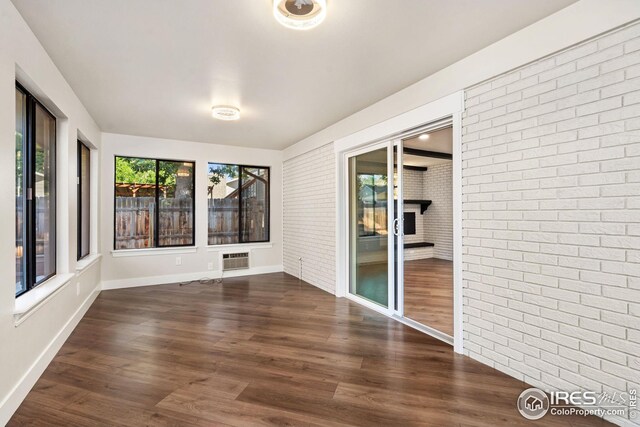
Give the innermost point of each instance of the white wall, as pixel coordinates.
(28, 347)
(578, 22)
(574, 24)
(551, 211)
(310, 217)
(438, 219)
(556, 300)
(152, 266)
(413, 188)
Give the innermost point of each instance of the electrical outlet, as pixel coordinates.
(210, 266)
(178, 260)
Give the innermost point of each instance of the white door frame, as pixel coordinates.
(448, 107)
(399, 208)
(387, 311)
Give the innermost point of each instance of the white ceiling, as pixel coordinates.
(440, 141)
(155, 67)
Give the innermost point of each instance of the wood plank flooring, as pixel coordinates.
(258, 351)
(428, 293)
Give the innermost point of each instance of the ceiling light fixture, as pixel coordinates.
(424, 137)
(225, 112)
(300, 14)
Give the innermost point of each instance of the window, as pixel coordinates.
(372, 209)
(35, 192)
(238, 203)
(84, 200)
(154, 203)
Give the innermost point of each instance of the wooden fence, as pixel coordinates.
(373, 218)
(134, 222)
(223, 220)
(134, 227)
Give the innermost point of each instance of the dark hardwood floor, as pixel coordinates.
(261, 350)
(428, 293)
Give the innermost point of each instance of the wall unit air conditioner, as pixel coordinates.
(235, 261)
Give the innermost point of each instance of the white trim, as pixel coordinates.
(153, 251)
(578, 22)
(186, 277)
(17, 394)
(369, 304)
(447, 108)
(399, 207)
(342, 229)
(29, 302)
(424, 115)
(458, 320)
(238, 247)
(388, 145)
(425, 329)
(87, 262)
(390, 233)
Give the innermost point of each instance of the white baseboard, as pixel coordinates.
(178, 278)
(15, 397)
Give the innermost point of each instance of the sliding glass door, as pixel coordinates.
(399, 226)
(371, 221)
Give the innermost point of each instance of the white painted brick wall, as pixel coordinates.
(551, 218)
(413, 182)
(309, 217)
(438, 219)
(436, 224)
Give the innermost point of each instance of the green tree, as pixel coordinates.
(135, 171)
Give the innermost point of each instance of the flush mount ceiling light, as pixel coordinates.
(424, 137)
(225, 112)
(300, 14)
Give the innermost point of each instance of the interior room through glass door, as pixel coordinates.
(370, 188)
(427, 180)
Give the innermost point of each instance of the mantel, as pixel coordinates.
(424, 204)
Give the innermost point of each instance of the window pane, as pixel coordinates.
(223, 204)
(21, 114)
(372, 204)
(84, 200)
(135, 188)
(255, 204)
(45, 187)
(176, 203)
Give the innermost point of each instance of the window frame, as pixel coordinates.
(267, 207)
(29, 212)
(156, 216)
(374, 233)
(80, 185)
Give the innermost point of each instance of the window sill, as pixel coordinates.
(87, 262)
(29, 302)
(239, 246)
(153, 251)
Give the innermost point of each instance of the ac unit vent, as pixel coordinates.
(237, 261)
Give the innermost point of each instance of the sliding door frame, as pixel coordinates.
(447, 109)
(388, 145)
(398, 261)
(399, 313)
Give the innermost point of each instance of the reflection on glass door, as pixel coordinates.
(369, 226)
(427, 177)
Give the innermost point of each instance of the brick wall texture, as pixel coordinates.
(436, 224)
(551, 218)
(438, 219)
(309, 217)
